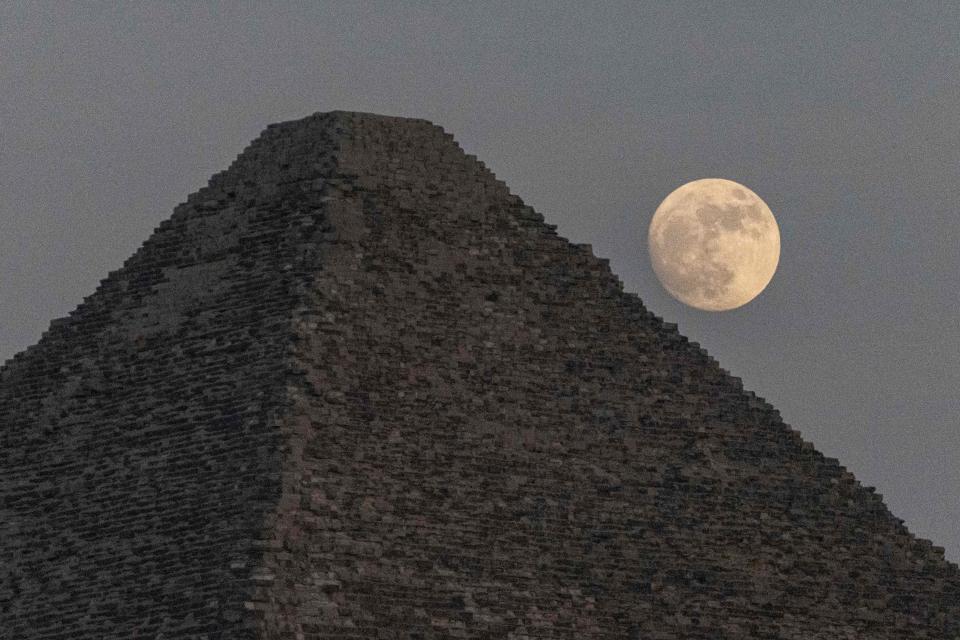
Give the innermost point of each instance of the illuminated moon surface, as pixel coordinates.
(714, 244)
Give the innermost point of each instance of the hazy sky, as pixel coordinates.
(843, 117)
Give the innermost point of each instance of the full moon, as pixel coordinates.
(714, 244)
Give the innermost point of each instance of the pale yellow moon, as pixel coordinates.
(714, 244)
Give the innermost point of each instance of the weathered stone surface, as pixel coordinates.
(354, 388)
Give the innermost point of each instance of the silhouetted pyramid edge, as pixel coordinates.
(353, 328)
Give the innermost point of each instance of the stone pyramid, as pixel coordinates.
(356, 389)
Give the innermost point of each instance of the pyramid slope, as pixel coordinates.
(139, 446)
(357, 389)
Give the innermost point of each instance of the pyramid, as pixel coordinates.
(355, 388)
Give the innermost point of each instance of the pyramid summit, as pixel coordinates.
(355, 388)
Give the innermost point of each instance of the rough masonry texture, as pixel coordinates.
(354, 388)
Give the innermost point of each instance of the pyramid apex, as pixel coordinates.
(340, 116)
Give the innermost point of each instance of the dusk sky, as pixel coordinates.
(843, 117)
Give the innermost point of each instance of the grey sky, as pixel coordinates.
(843, 117)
